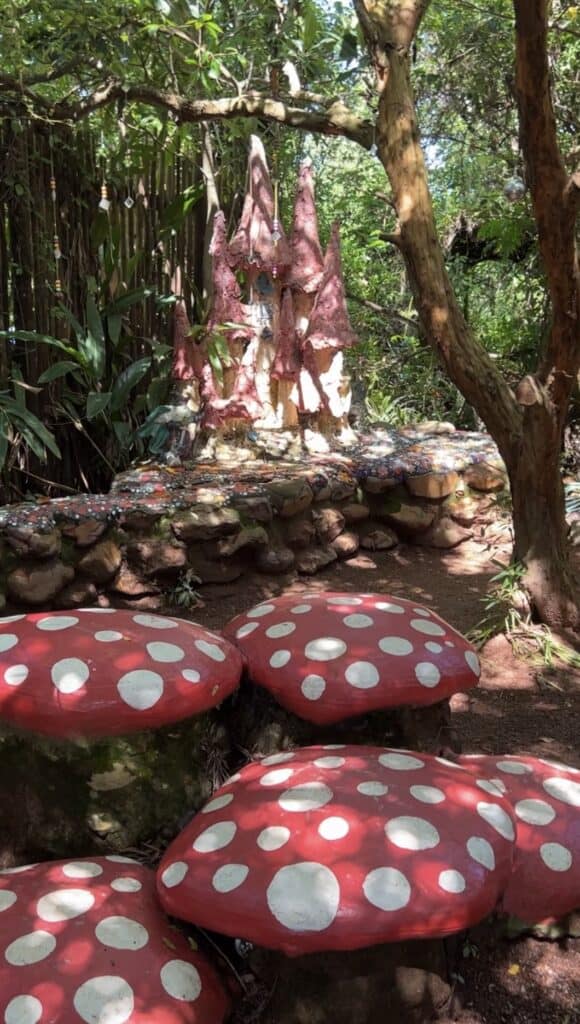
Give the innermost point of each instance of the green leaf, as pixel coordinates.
(32, 424)
(97, 402)
(123, 433)
(175, 213)
(57, 370)
(99, 229)
(114, 324)
(127, 300)
(127, 380)
(93, 352)
(94, 322)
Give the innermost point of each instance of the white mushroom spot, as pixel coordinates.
(423, 612)
(329, 762)
(7, 641)
(11, 618)
(126, 885)
(304, 897)
(449, 643)
(262, 609)
(30, 949)
(387, 889)
(427, 674)
(276, 777)
(166, 653)
(15, 675)
(121, 933)
(432, 647)
(174, 874)
(473, 662)
(491, 786)
(556, 857)
(69, 675)
(118, 858)
(309, 796)
(513, 767)
(481, 851)
(427, 627)
(23, 1010)
(82, 869)
(333, 828)
(140, 689)
(279, 659)
(565, 790)
(410, 833)
(16, 871)
(216, 837)
(535, 812)
(396, 645)
(452, 881)
(230, 877)
(181, 980)
(154, 622)
(301, 609)
(372, 788)
(246, 629)
(428, 794)
(280, 629)
(57, 622)
(400, 762)
(273, 837)
(358, 621)
(218, 803)
(213, 651)
(325, 648)
(191, 675)
(313, 687)
(344, 599)
(388, 606)
(7, 899)
(64, 904)
(498, 819)
(108, 636)
(362, 675)
(287, 755)
(104, 1000)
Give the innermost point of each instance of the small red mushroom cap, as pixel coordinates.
(341, 847)
(86, 941)
(545, 797)
(332, 656)
(101, 672)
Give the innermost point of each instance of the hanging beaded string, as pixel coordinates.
(55, 239)
(104, 202)
(276, 233)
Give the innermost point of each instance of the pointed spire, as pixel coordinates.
(226, 305)
(306, 253)
(287, 361)
(329, 325)
(182, 365)
(258, 242)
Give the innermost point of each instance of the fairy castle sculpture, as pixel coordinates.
(271, 355)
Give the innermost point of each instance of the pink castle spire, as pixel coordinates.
(287, 361)
(226, 305)
(259, 243)
(329, 325)
(307, 260)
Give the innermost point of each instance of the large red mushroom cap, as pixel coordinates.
(287, 361)
(329, 325)
(328, 657)
(545, 882)
(226, 305)
(259, 243)
(86, 941)
(306, 254)
(100, 672)
(341, 847)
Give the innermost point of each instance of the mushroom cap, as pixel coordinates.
(101, 672)
(341, 847)
(86, 940)
(545, 796)
(332, 656)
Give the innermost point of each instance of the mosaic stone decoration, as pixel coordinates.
(341, 847)
(332, 656)
(85, 941)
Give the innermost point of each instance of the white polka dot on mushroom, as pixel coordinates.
(213, 651)
(401, 762)
(280, 629)
(363, 675)
(276, 777)
(280, 658)
(313, 687)
(286, 755)
(388, 606)
(304, 897)
(372, 788)
(556, 857)
(191, 675)
(344, 600)
(325, 648)
(218, 803)
(181, 980)
(308, 796)
(126, 885)
(409, 833)
(15, 675)
(358, 621)
(69, 675)
(534, 812)
(427, 626)
(513, 767)
(499, 820)
(7, 899)
(107, 999)
(230, 877)
(23, 1009)
(274, 837)
(117, 932)
(427, 674)
(333, 828)
(154, 622)
(481, 851)
(301, 609)
(387, 889)
(329, 762)
(108, 636)
(30, 949)
(427, 794)
(452, 881)
(565, 790)
(473, 662)
(140, 689)
(432, 647)
(490, 786)
(7, 641)
(395, 645)
(174, 874)
(57, 622)
(82, 869)
(246, 629)
(263, 609)
(64, 905)
(216, 837)
(166, 653)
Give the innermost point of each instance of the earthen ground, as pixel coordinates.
(518, 708)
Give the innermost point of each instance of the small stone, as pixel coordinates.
(409, 519)
(254, 507)
(84, 534)
(78, 594)
(462, 510)
(329, 523)
(117, 778)
(379, 484)
(28, 543)
(155, 557)
(146, 603)
(341, 488)
(274, 560)
(299, 532)
(38, 584)
(574, 535)
(248, 537)
(141, 520)
(483, 477)
(314, 559)
(102, 562)
(355, 512)
(209, 570)
(346, 545)
(201, 523)
(429, 427)
(432, 485)
(289, 497)
(378, 538)
(129, 584)
(444, 534)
